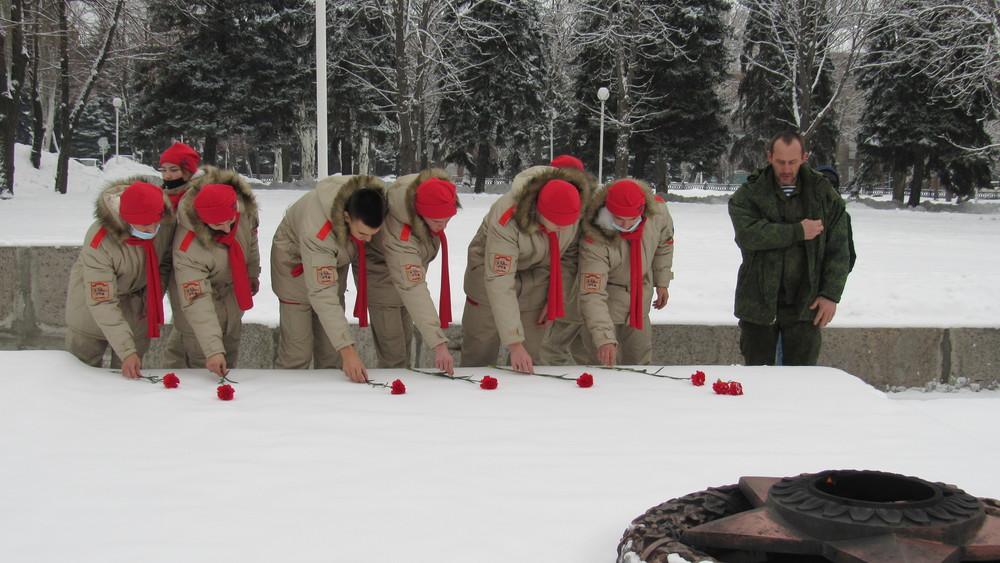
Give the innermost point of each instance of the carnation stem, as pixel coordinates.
(643, 371)
(445, 375)
(557, 376)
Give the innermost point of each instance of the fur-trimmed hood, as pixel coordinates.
(246, 203)
(598, 232)
(109, 201)
(402, 197)
(333, 193)
(526, 195)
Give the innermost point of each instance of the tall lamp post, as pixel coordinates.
(602, 94)
(117, 102)
(552, 120)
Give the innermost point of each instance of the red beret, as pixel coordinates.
(141, 204)
(215, 203)
(436, 199)
(567, 161)
(181, 155)
(625, 199)
(559, 202)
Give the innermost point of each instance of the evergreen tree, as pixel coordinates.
(688, 127)
(908, 130)
(229, 67)
(501, 105)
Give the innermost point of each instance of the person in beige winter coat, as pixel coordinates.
(420, 206)
(626, 255)
(321, 234)
(568, 342)
(115, 294)
(216, 268)
(518, 259)
(180, 172)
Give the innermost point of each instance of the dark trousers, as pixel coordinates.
(800, 341)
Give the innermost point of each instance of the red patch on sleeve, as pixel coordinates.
(325, 230)
(297, 270)
(505, 218)
(501, 264)
(192, 290)
(98, 237)
(668, 242)
(413, 272)
(404, 234)
(588, 240)
(326, 275)
(592, 282)
(100, 291)
(660, 199)
(186, 243)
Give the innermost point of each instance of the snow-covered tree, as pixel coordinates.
(501, 101)
(621, 42)
(908, 128)
(789, 77)
(13, 67)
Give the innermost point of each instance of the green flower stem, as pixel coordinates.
(225, 379)
(446, 376)
(151, 378)
(643, 371)
(552, 375)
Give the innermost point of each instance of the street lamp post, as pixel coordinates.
(117, 102)
(552, 120)
(602, 94)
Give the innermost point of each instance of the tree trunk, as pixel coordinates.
(286, 163)
(210, 154)
(898, 180)
(62, 164)
(307, 144)
(624, 101)
(406, 152)
(917, 182)
(660, 173)
(278, 169)
(10, 99)
(72, 118)
(482, 167)
(641, 160)
(37, 116)
(364, 160)
(347, 146)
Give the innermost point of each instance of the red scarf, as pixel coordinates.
(154, 289)
(175, 198)
(237, 266)
(361, 304)
(445, 306)
(556, 305)
(636, 273)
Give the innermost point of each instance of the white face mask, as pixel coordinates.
(143, 235)
(606, 219)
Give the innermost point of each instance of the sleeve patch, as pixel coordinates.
(660, 199)
(404, 234)
(413, 273)
(501, 264)
(326, 275)
(592, 282)
(668, 242)
(192, 290)
(100, 291)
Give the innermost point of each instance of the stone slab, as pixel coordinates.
(975, 354)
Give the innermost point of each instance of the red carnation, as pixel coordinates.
(720, 387)
(225, 392)
(488, 383)
(735, 388)
(585, 380)
(398, 388)
(171, 381)
(698, 378)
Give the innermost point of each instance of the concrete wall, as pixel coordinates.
(33, 294)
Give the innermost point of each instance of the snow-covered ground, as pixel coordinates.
(305, 466)
(915, 268)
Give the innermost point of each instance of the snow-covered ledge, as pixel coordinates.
(32, 310)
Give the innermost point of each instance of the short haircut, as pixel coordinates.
(788, 137)
(369, 205)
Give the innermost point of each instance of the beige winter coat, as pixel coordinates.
(201, 265)
(605, 272)
(508, 263)
(312, 247)
(109, 270)
(400, 255)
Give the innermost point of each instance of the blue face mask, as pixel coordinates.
(142, 235)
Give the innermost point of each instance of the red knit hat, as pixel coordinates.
(559, 202)
(215, 203)
(625, 199)
(141, 204)
(436, 199)
(181, 155)
(567, 161)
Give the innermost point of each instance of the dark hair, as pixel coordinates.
(369, 205)
(787, 137)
